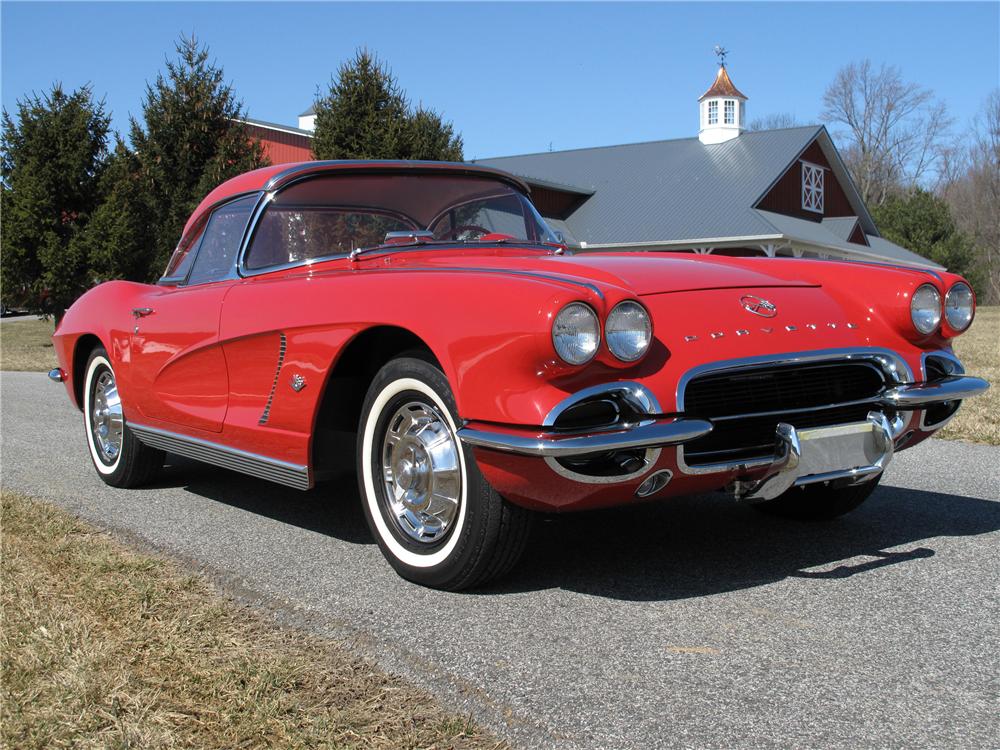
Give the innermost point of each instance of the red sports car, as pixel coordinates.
(420, 325)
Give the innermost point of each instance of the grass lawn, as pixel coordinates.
(105, 647)
(26, 345)
(979, 350)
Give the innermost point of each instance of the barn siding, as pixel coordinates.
(858, 236)
(786, 195)
(281, 147)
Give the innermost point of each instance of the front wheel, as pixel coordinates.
(120, 459)
(435, 518)
(818, 502)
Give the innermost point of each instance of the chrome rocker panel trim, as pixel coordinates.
(654, 433)
(262, 467)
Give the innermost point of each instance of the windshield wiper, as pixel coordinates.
(405, 238)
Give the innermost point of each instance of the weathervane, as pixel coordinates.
(721, 53)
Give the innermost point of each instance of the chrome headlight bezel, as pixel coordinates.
(959, 315)
(925, 309)
(576, 315)
(615, 335)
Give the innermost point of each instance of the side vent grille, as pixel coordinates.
(274, 386)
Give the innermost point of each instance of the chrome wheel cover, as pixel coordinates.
(106, 420)
(421, 472)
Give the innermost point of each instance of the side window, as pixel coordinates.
(216, 255)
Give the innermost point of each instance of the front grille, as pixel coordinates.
(805, 396)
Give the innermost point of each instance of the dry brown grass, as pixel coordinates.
(979, 350)
(26, 345)
(105, 647)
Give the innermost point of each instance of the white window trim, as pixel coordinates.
(729, 108)
(813, 190)
(710, 120)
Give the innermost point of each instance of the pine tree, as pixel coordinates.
(190, 141)
(52, 165)
(920, 221)
(365, 115)
(429, 137)
(119, 240)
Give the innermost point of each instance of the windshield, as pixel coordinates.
(334, 215)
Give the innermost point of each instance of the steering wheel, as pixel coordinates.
(461, 228)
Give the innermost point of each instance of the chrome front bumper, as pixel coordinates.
(919, 395)
(652, 433)
(659, 431)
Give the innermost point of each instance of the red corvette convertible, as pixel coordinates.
(420, 325)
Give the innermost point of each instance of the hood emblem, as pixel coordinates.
(758, 306)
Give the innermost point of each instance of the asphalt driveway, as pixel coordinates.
(693, 623)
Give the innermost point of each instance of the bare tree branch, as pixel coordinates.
(894, 132)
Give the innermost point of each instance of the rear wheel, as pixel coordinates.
(435, 518)
(120, 459)
(818, 502)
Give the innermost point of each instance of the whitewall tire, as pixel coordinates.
(434, 516)
(119, 458)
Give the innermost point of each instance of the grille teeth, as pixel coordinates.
(824, 393)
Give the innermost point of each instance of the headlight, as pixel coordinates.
(576, 333)
(925, 308)
(629, 331)
(959, 306)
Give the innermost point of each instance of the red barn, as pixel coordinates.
(282, 143)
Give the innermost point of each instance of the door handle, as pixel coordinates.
(141, 312)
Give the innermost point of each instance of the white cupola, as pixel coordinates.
(723, 110)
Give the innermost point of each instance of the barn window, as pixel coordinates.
(730, 112)
(713, 113)
(812, 187)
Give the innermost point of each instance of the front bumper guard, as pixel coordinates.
(658, 432)
(848, 454)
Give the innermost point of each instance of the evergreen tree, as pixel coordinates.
(365, 115)
(119, 241)
(190, 141)
(429, 137)
(922, 222)
(52, 165)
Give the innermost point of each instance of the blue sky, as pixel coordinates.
(514, 77)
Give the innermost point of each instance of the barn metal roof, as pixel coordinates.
(668, 190)
(820, 234)
(842, 226)
(682, 191)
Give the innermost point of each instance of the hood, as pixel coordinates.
(640, 273)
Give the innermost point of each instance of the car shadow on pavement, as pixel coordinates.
(675, 549)
(330, 508)
(691, 547)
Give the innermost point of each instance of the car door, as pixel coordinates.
(178, 367)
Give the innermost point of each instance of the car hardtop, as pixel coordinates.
(277, 176)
